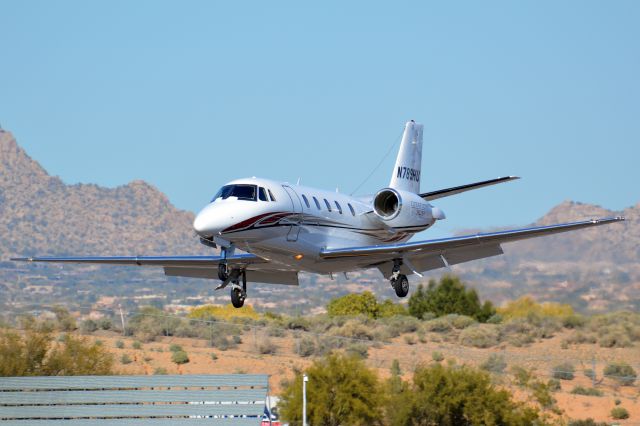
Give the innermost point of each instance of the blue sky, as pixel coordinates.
(188, 95)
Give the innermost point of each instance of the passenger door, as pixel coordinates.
(296, 219)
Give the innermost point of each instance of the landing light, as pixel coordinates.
(298, 257)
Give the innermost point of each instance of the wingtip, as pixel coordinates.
(21, 259)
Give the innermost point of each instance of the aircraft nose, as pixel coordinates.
(204, 223)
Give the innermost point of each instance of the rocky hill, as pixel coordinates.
(40, 214)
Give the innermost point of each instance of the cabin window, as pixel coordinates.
(271, 195)
(339, 207)
(241, 192)
(317, 203)
(353, 212)
(262, 194)
(306, 201)
(327, 204)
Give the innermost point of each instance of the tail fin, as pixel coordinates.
(406, 174)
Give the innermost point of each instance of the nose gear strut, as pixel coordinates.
(238, 292)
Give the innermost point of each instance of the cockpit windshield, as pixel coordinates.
(241, 192)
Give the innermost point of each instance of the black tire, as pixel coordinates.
(223, 271)
(237, 297)
(401, 286)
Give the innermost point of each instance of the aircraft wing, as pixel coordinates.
(258, 269)
(422, 256)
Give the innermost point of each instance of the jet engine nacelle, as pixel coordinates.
(400, 209)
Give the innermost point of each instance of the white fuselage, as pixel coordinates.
(290, 224)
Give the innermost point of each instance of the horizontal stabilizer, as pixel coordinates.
(433, 195)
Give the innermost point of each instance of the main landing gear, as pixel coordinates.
(233, 277)
(399, 282)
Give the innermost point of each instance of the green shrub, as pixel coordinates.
(619, 413)
(564, 371)
(554, 385)
(160, 371)
(621, 372)
(449, 296)
(460, 321)
(119, 344)
(105, 324)
(266, 346)
(479, 336)
(136, 345)
(581, 390)
(410, 339)
(275, 332)
(437, 356)
(180, 357)
(88, 326)
(358, 349)
(354, 304)
(125, 359)
(174, 347)
(213, 356)
(439, 325)
(494, 364)
(305, 347)
(236, 339)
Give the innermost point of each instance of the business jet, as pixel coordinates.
(269, 231)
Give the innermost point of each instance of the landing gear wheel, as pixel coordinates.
(223, 271)
(237, 297)
(401, 285)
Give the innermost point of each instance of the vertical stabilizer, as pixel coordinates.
(406, 173)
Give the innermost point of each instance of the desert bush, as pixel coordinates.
(439, 325)
(227, 312)
(437, 356)
(409, 339)
(298, 323)
(564, 371)
(160, 371)
(236, 339)
(35, 352)
(179, 357)
(581, 390)
(526, 306)
(354, 304)
(213, 357)
(542, 393)
(136, 345)
(150, 322)
(305, 347)
(460, 321)
(479, 336)
(65, 322)
(125, 359)
(614, 337)
(621, 372)
(398, 325)
(619, 413)
(521, 375)
(388, 309)
(119, 344)
(105, 324)
(266, 346)
(174, 347)
(88, 326)
(494, 364)
(275, 331)
(574, 321)
(358, 349)
(580, 337)
(354, 329)
(449, 296)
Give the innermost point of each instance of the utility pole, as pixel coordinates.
(121, 318)
(305, 379)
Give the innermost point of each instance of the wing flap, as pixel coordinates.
(243, 259)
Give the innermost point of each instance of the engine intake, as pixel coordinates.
(387, 203)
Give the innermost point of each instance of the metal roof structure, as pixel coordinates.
(234, 400)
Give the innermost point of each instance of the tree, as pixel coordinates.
(453, 396)
(449, 296)
(341, 391)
